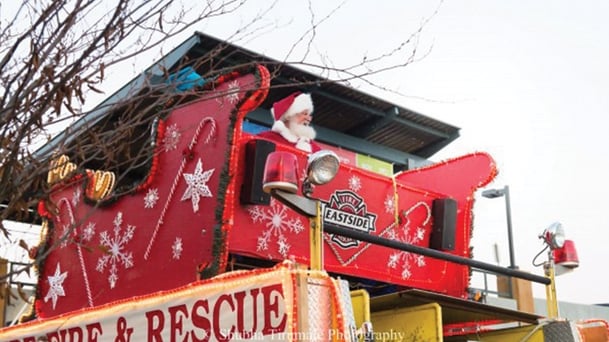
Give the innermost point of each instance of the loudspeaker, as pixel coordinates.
(256, 152)
(444, 212)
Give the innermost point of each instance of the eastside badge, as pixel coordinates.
(347, 209)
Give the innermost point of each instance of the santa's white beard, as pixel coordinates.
(302, 131)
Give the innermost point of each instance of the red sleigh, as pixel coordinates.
(190, 216)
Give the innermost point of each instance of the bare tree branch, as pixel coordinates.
(56, 53)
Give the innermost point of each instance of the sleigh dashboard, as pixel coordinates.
(411, 207)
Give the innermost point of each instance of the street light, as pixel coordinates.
(505, 192)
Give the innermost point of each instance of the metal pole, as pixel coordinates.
(508, 213)
(406, 247)
(315, 236)
(551, 299)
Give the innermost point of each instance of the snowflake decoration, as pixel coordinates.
(393, 260)
(406, 260)
(283, 247)
(76, 196)
(233, 92)
(389, 204)
(152, 196)
(56, 286)
(277, 225)
(88, 232)
(419, 260)
(116, 253)
(177, 248)
(197, 185)
(355, 184)
(171, 138)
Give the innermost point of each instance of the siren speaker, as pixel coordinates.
(444, 213)
(256, 152)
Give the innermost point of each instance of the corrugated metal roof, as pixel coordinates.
(340, 109)
(343, 116)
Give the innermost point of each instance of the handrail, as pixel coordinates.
(406, 247)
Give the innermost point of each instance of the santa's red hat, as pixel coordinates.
(291, 105)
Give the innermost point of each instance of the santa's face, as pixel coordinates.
(302, 118)
(298, 124)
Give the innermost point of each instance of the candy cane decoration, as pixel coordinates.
(192, 144)
(81, 259)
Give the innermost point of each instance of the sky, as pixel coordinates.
(526, 81)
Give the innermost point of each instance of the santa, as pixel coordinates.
(292, 116)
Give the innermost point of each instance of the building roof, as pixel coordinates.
(343, 116)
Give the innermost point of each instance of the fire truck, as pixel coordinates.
(215, 234)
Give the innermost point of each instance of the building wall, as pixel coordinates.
(567, 310)
(15, 307)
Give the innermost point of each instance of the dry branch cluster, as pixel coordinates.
(54, 53)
